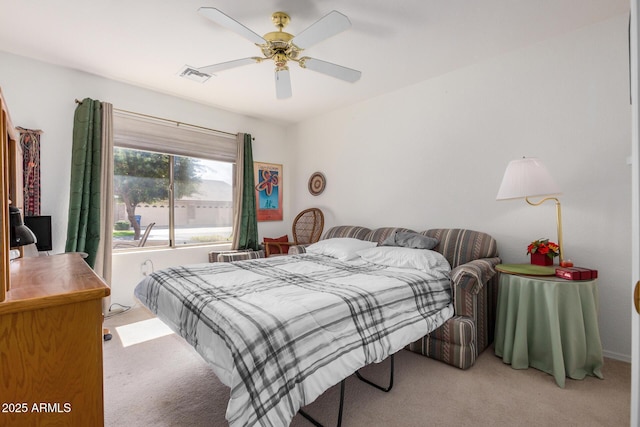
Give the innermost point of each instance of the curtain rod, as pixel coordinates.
(168, 120)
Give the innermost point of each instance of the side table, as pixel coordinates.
(548, 323)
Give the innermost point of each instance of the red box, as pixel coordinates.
(568, 273)
(576, 273)
(588, 273)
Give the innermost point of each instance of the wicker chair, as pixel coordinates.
(306, 229)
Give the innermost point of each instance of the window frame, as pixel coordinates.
(157, 135)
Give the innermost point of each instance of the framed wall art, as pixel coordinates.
(268, 186)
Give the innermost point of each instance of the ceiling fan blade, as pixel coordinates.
(330, 69)
(230, 24)
(283, 84)
(212, 69)
(329, 25)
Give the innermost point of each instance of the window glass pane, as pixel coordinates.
(203, 194)
(141, 198)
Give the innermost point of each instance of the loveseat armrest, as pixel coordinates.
(240, 255)
(213, 255)
(473, 275)
(297, 249)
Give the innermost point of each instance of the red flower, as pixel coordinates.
(544, 247)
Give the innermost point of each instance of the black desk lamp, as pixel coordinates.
(20, 234)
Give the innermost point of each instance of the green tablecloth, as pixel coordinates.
(549, 324)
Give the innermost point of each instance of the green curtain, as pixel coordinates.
(248, 233)
(83, 229)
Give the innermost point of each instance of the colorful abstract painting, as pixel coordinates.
(268, 186)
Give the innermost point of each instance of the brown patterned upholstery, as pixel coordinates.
(235, 255)
(460, 246)
(353, 231)
(240, 255)
(380, 234)
(473, 256)
(453, 343)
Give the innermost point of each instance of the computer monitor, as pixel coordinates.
(41, 227)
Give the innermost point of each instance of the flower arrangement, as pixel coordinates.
(544, 247)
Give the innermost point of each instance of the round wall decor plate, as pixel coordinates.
(317, 183)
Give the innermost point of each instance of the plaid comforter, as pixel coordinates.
(280, 331)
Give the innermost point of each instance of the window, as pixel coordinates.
(174, 180)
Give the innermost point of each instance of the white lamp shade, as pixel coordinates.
(526, 177)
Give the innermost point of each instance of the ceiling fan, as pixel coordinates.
(283, 47)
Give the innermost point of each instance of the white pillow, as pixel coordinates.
(343, 248)
(397, 256)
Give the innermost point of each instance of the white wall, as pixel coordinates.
(42, 96)
(433, 155)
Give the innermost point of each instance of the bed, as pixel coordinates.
(280, 331)
(473, 256)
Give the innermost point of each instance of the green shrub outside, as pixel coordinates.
(121, 225)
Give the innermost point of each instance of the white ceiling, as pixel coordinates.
(393, 43)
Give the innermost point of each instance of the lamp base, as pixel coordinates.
(18, 251)
(541, 259)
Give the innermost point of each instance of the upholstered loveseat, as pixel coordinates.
(235, 255)
(473, 256)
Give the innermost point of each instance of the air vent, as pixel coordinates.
(193, 74)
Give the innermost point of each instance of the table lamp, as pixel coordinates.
(19, 234)
(528, 177)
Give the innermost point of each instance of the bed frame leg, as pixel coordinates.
(385, 389)
(315, 422)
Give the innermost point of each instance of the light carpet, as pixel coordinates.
(164, 382)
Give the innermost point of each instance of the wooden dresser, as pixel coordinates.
(9, 186)
(51, 343)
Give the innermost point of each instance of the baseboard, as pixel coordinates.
(616, 356)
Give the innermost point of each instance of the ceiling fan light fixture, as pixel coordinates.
(279, 39)
(280, 59)
(282, 47)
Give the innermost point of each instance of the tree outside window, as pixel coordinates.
(202, 198)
